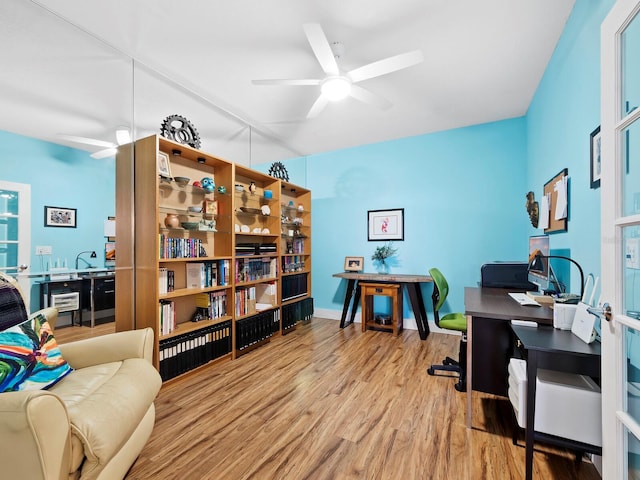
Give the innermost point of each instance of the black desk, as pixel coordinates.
(490, 338)
(558, 350)
(410, 282)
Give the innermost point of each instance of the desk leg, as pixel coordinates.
(417, 304)
(356, 302)
(532, 374)
(347, 300)
(469, 368)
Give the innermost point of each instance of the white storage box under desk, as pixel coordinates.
(567, 405)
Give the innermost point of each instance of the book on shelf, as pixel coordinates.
(163, 280)
(195, 275)
(167, 317)
(166, 279)
(223, 272)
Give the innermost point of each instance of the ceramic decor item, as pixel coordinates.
(172, 220)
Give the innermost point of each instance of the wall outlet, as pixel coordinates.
(632, 253)
(46, 250)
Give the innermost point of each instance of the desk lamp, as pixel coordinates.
(93, 255)
(535, 263)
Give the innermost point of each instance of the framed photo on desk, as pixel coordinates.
(353, 264)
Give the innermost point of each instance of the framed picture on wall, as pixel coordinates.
(60, 217)
(164, 167)
(386, 224)
(110, 253)
(595, 159)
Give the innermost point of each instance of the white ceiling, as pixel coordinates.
(483, 62)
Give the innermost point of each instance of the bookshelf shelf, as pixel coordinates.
(189, 327)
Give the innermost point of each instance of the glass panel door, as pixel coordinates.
(620, 240)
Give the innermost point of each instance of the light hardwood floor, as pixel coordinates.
(326, 403)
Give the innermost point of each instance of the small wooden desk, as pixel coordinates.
(559, 350)
(410, 282)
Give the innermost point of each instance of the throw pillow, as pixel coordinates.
(30, 358)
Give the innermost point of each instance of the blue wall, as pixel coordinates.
(61, 177)
(563, 113)
(463, 192)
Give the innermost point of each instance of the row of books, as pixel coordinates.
(251, 269)
(294, 286)
(185, 352)
(295, 312)
(207, 274)
(167, 316)
(252, 330)
(245, 301)
(212, 304)
(295, 245)
(166, 280)
(293, 264)
(171, 247)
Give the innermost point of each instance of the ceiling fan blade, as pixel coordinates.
(387, 65)
(107, 152)
(369, 97)
(318, 106)
(87, 141)
(321, 48)
(284, 81)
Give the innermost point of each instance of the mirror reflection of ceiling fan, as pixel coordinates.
(109, 149)
(336, 84)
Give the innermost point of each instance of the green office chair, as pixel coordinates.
(451, 321)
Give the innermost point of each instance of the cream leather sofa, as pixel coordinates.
(94, 422)
(90, 425)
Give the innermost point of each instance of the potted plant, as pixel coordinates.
(381, 254)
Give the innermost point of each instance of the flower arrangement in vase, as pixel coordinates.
(381, 254)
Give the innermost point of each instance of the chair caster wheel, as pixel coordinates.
(431, 371)
(461, 387)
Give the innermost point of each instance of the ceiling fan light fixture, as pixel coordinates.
(335, 88)
(123, 136)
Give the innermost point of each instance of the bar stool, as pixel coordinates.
(371, 290)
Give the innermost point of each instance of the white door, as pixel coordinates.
(15, 231)
(620, 240)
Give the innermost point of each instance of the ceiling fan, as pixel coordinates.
(109, 149)
(337, 85)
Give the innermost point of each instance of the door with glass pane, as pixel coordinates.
(15, 230)
(620, 240)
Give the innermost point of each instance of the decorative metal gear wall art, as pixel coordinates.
(277, 170)
(181, 130)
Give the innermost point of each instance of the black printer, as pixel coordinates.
(506, 275)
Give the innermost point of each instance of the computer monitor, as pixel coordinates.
(539, 273)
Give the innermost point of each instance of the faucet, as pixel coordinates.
(93, 255)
